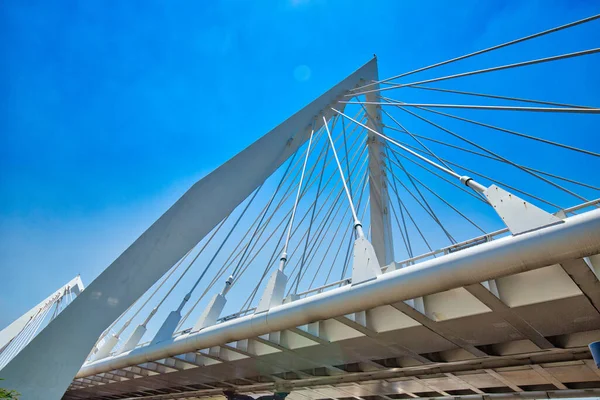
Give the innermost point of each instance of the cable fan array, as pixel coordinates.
(432, 167)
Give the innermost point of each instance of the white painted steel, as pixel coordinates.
(365, 264)
(518, 215)
(108, 344)
(380, 217)
(578, 236)
(212, 312)
(168, 327)
(274, 292)
(133, 339)
(198, 211)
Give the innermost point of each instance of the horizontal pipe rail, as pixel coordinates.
(578, 236)
(490, 235)
(448, 249)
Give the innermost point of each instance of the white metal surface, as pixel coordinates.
(274, 292)
(133, 339)
(212, 313)
(105, 347)
(167, 328)
(519, 215)
(381, 230)
(365, 265)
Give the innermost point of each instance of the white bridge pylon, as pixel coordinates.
(350, 152)
(174, 234)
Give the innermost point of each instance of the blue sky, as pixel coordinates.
(108, 114)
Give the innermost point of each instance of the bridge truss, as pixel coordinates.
(396, 238)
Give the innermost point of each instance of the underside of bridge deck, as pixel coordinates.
(529, 335)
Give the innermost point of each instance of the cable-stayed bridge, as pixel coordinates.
(395, 238)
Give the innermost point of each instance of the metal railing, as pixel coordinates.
(404, 263)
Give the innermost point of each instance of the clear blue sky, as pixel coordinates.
(109, 113)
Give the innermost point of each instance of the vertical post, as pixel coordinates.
(381, 232)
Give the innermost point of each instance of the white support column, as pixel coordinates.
(68, 339)
(274, 292)
(381, 233)
(133, 339)
(212, 312)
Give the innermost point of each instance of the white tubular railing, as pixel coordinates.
(576, 237)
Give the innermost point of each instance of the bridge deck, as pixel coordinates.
(521, 333)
